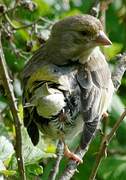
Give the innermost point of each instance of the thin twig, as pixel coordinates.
(72, 165)
(103, 146)
(121, 152)
(14, 27)
(119, 70)
(55, 169)
(95, 8)
(14, 109)
(8, 10)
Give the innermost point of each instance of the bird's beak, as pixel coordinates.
(102, 39)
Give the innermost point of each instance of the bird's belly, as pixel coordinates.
(75, 129)
(106, 97)
(68, 129)
(58, 113)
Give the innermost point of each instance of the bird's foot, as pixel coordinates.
(71, 155)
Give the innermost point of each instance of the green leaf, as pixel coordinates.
(3, 103)
(70, 13)
(7, 172)
(34, 169)
(3, 130)
(42, 9)
(31, 153)
(6, 148)
(2, 167)
(116, 168)
(112, 50)
(15, 64)
(117, 108)
(21, 37)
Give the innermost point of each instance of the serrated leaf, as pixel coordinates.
(31, 153)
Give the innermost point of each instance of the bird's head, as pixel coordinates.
(78, 35)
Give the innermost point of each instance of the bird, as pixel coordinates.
(67, 83)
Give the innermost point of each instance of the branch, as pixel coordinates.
(121, 152)
(95, 9)
(55, 169)
(25, 26)
(119, 70)
(72, 165)
(106, 140)
(13, 106)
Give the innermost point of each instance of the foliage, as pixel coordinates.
(36, 18)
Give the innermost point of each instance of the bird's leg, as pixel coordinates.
(71, 155)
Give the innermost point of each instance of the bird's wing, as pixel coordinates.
(37, 60)
(45, 96)
(90, 99)
(96, 87)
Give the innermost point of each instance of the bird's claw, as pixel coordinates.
(72, 156)
(76, 158)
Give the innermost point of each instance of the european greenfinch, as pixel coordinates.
(67, 83)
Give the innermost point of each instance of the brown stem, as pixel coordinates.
(55, 170)
(14, 109)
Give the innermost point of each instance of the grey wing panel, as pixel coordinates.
(90, 92)
(90, 98)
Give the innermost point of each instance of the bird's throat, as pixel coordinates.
(85, 55)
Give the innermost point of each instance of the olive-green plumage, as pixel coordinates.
(68, 81)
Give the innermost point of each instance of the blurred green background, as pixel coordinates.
(26, 26)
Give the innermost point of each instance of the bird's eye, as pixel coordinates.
(85, 33)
